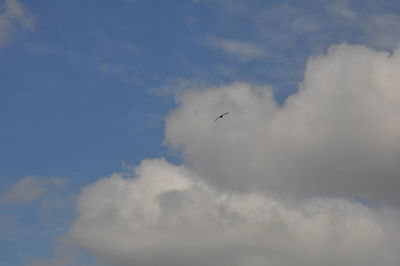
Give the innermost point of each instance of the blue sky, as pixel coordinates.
(85, 87)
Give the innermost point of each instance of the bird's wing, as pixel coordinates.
(221, 116)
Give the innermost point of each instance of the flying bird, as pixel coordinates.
(221, 116)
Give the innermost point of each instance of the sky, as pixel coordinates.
(110, 155)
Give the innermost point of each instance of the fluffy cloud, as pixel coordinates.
(14, 18)
(165, 215)
(333, 147)
(337, 136)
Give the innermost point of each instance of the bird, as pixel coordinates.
(221, 116)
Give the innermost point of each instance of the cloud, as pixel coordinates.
(309, 182)
(31, 188)
(283, 25)
(67, 254)
(337, 136)
(382, 30)
(165, 215)
(376, 29)
(342, 12)
(14, 19)
(37, 210)
(243, 51)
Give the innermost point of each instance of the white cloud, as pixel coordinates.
(166, 215)
(310, 182)
(243, 51)
(31, 188)
(14, 18)
(337, 136)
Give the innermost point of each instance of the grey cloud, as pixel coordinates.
(310, 182)
(337, 136)
(166, 215)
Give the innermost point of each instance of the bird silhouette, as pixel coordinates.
(221, 116)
